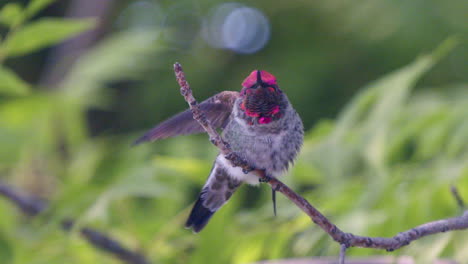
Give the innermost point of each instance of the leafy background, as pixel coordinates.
(387, 129)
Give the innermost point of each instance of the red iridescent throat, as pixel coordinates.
(267, 119)
(261, 97)
(263, 118)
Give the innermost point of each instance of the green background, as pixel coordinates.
(381, 86)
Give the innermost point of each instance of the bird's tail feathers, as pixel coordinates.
(217, 190)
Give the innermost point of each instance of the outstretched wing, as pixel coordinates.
(217, 109)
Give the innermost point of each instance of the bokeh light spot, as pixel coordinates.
(236, 27)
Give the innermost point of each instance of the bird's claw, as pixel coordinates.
(265, 178)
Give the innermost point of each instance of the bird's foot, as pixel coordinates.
(265, 178)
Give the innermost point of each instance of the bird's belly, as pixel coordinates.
(271, 148)
(262, 152)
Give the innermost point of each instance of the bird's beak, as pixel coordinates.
(259, 77)
(259, 82)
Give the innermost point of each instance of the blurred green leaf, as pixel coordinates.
(387, 150)
(249, 251)
(365, 122)
(183, 166)
(120, 57)
(43, 33)
(379, 101)
(25, 127)
(390, 93)
(11, 15)
(36, 6)
(6, 250)
(11, 84)
(461, 247)
(138, 183)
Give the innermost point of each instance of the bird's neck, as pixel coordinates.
(262, 109)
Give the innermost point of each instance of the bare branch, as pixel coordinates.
(33, 206)
(28, 205)
(108, 244)
(346, 239)
(198, 115)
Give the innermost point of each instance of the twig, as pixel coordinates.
(29, 205)
(347, 239)
(106, 243)
(33, 206)
(342, 254)
(457, 197)
(198, 115)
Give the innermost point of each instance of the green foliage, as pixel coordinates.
(23, 39)
(102, 64)
(382, 166)
(36, 6)
(11, 84)
(11, 15)
(43, 33)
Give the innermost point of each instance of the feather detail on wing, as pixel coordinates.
(217, 109)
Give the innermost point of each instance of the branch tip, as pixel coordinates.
(177, 67)
(457, 196)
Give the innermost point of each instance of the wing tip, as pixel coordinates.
(152, 135)
(140, 140)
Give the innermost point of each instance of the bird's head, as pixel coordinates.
(261, 97)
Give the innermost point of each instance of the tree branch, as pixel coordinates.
(28, 205)
(346, 239)
(32, 206)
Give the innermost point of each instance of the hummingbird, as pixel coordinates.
(261, 127)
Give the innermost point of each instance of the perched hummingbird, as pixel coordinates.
(259, 124)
